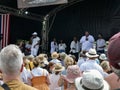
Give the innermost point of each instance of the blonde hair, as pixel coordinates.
(68, 59)
(105, 65)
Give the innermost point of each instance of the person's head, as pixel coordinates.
(92, 54)
(34, 34)
(30, 57)
(58, 68)
(73, 72)
(75, 38)
(54, 39)
(83, 54)
(11, 60)
(103, 57)
(35, 63)
(61, 41)
(51, 66)
(114, 53)
(91, 80)
(86, 33)
(106, 66)
(62, 56)
(55, 55)
(99, 36)
(68, 61)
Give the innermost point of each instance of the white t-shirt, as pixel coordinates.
(74, 47)
(54, 82)
(100, 43)
(38, 72)
(54, 47)
(62, 46)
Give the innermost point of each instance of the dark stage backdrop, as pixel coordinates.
(95, 16)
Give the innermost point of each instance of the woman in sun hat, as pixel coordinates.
(73, 72)
(91, 63)
(91, 80)
(55, 76)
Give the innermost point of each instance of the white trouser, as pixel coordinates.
(34, 51)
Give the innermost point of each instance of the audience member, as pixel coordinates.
(39, 77)
(114, 59)
(91, 63)
(55, 56)
(91, 80)
(11, 66)
(55, 77)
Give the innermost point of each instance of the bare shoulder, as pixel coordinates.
(1, 88)
(27, 87)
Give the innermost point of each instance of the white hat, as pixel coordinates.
(103, 57)
(91, 80)
(92, 53)
(35, 33)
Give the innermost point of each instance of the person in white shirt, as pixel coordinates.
(35, 44)
(62, 46)
(54, 46)
(100, 43)
(75, 47)
(82, 58)
(91, 63)
(86, 41)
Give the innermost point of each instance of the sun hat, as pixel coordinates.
(58, 67)
(92, 53)
(91, 80)
(41, 59)
(35, 33)
(73, 72)
(102, 57)
(55, 55)
(114, 51)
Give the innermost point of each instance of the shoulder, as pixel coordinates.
(1, 88)
(27, 87)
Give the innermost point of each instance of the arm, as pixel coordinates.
(91, 39)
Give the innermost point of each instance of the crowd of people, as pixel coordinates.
(92, 69)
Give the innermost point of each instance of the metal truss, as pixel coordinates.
(21, 13)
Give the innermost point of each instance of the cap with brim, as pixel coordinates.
(35, 33)
(103, 57)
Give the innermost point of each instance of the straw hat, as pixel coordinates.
(55, 55)
(58, 67)
(91, 80)
(73, 72)
(92, 53)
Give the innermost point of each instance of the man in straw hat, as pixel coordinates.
(35, 44)
(91, 63)
(11, 66)
(91, 80)
(114, 59)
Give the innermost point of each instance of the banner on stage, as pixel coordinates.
(35, 3)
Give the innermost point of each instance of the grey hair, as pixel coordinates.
(11, 60)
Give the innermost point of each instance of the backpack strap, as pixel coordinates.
(5, 86)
